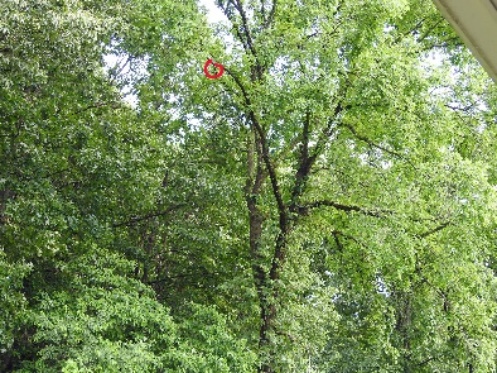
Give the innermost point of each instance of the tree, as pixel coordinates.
(80, 168)
(348, 150)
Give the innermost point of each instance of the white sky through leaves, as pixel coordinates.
(214, 14)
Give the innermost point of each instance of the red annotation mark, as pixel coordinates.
(219, 67)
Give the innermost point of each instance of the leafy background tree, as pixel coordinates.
(325, 206)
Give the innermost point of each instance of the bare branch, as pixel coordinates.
(240, 85)
(246, 30)
(426, 361)
(411, 31)
(307, 160)
(375, 145)
(272, 12)
(337, 233)
(434, 230)
(263, 9)
(332, 120)
(429, 31)
(304, 209)
(464, 109)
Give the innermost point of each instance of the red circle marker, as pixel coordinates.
(220, 69)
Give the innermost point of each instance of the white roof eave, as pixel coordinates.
(476, 23)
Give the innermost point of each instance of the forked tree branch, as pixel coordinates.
(305, 162)
(265, 151)
(246, 30)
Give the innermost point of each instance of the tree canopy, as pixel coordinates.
(327, 205)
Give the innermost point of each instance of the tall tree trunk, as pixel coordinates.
(260, 279)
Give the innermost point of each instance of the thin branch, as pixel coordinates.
(117, 70)
(242, 40)
(304, 209)
(443, 44)
(240, 85)
(239, 7)
(458, 109)
(337, 233)
(375, 145)
(426, 361)
(428, 32)
(411, 31)
(370, 142)
(272, 12)
(434, 230)
(263, 9)
(339, 108)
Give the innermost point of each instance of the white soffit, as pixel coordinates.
(476, 23)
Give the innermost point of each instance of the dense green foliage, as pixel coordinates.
(325, 206)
